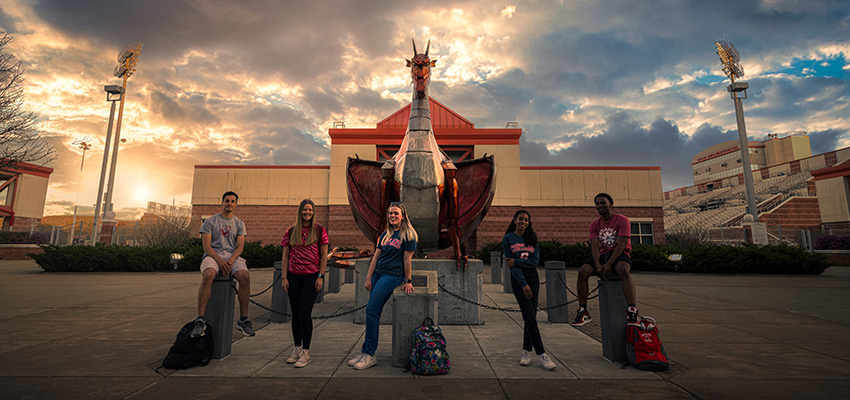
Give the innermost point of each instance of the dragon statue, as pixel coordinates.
(445, 201)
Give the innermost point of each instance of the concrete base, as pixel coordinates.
(612, 319)
(465, 283)
(332, 281)
(556, 292)
(280, 300)
(349, 275)
(506, 278)
(496, 267)
(219, 314)
(409, 310)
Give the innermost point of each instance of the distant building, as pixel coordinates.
(560, 199)
(168, 210)
(716, 165)
(23, 190)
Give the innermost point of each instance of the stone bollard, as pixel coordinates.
(612, 319)
(556, 292)
(409, 310)
(506, 277)
(495, 267)
(320, 297)
(280, 300)
(349, 274)
(219, 314)
(332, 279)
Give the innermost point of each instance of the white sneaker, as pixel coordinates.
(525, 358)
(547, 362)
(367, 362)
(304, 359)
(296, 352)
(356, 359)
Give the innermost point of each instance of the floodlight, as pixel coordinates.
(113, 89)
(730, 59)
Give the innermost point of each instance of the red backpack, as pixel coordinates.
(644, 348)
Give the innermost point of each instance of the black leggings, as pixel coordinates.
(528, 307)
(302, 297)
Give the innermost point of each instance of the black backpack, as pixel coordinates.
(188, 351)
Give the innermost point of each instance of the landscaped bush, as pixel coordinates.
(104, 258)
(832, 243)
(698, 258)
(7, 237)
(484, 251)
(115, 258)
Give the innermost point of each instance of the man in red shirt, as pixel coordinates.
(610, 249)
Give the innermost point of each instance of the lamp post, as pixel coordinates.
(730, 59)
(125, 68)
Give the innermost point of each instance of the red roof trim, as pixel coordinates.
(831, 172)
(595, 168)
(262, 166)
(20, 167)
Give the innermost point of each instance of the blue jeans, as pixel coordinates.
(382, 289)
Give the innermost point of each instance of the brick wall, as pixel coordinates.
(797, 213)
(18, 251)
(567, 224)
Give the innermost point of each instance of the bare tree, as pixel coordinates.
(19, 138)
(166, 231)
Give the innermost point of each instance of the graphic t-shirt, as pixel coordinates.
(608, 232)
(524, 256)
(304, 260)
(391, 261)
(223, 232)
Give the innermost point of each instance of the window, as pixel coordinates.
(456, 153)
(642, 233)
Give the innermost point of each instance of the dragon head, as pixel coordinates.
(420, 70)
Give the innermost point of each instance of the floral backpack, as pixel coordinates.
(428, 355)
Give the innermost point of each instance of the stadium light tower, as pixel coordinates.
(731, 61)
(127, 59)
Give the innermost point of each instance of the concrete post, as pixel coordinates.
(280, 300)
(219, 314)
(556, 292)
(495, 267)
(506, 277)
(320, 297)
(612, 315)
(409, 310)
(332, 281)
(349, 274)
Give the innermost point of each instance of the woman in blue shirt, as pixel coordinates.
(522, 254)
(389, 268)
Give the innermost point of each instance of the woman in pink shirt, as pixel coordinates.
(305, 256)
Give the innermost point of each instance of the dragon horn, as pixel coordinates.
(414, 47)
(427, 47)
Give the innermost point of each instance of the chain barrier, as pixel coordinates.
(443, 288)
(290, 315)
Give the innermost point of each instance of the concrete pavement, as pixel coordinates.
(102, 336)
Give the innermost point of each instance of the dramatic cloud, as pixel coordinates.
(258, 82)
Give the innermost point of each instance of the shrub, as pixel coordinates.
(650, 258)
(485, 250)
(751, 259)
(255, 254)
(104, 258)
(832, 243)
(7, 237)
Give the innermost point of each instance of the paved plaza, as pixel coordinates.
(102, 335)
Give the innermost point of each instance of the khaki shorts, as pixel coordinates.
(209, 262)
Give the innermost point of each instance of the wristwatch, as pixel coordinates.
(321, 275)
(409, 281)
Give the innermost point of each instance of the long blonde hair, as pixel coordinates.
(407, 232)
(295, 235)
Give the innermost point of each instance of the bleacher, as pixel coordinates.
(726, 206)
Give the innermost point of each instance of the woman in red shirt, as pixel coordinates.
(305, 257)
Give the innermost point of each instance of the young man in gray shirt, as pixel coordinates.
(223, 236)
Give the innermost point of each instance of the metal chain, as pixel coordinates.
(290, 315)
(575, 295)
(267, 289)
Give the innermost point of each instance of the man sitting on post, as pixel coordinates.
(223, 237)
(610, 249)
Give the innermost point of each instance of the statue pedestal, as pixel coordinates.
(451, 310)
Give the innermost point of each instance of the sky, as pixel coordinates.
(591, 83)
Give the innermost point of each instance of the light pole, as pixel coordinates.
(125, 68)
(113, 94)
(730, 59)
